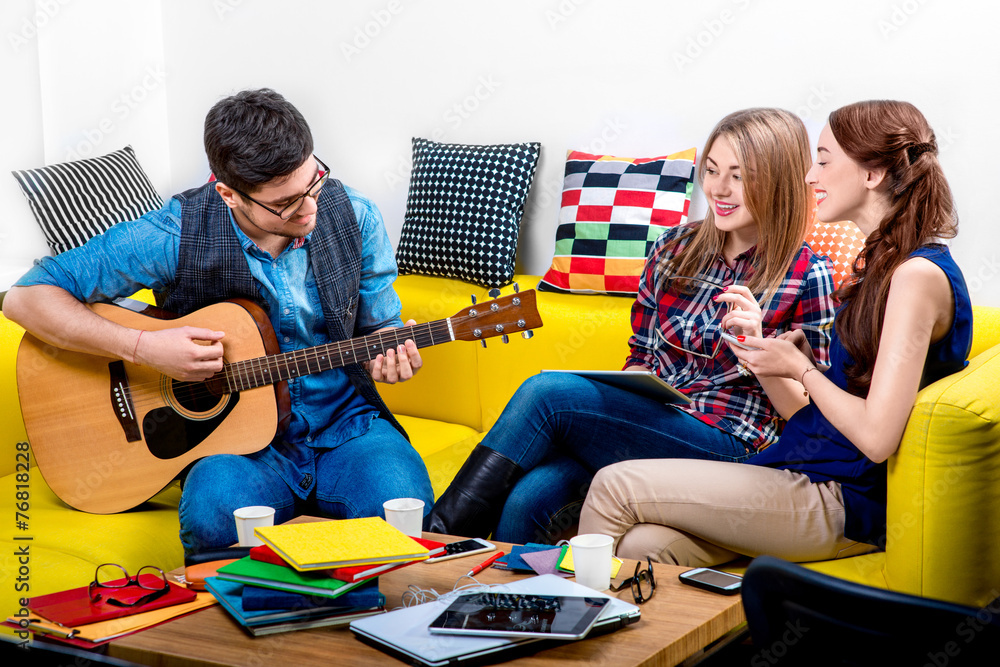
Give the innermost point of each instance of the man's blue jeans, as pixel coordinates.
(561, 429)
(352, 480)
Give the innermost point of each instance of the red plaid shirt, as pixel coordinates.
(721, 396)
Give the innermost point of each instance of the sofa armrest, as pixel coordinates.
(985, 329)
(943, 522)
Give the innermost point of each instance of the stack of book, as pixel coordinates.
(315, 574)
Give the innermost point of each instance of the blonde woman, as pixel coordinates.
(745, 265)
(906, 321)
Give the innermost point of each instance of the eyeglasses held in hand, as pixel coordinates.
(643, 582)
(112, 577)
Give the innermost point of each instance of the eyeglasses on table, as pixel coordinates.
(643, 583)
(113, 577)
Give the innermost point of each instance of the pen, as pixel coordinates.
(485, 564)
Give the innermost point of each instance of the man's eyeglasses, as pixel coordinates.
(114, 577)
(643, 583)
(313, 191)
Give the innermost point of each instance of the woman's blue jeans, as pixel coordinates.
(562, 428)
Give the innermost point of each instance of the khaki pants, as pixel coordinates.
(700, 513)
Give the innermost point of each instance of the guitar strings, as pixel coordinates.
(236, 375)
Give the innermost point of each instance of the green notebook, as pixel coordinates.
(257, 573)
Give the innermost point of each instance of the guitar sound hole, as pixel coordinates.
(197, 396)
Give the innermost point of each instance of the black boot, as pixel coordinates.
(472, 503)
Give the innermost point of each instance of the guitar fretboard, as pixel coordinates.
(251, 373)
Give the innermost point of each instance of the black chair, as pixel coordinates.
(800, 617)
(49, 654)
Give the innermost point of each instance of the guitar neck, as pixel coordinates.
(251, 373)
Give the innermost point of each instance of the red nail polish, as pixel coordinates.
(725, 288)
(715, 298)
(741, 338)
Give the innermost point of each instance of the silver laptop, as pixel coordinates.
(404, 633)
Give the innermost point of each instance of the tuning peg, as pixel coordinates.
(527, 334)
(505, 339)
(494, 293)
(483, 342)
(473, 299)
(516, 288)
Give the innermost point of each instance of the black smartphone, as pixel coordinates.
(712, 580)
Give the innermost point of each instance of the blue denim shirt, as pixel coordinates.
(326, 409)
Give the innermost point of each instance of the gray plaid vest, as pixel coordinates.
(211, 267)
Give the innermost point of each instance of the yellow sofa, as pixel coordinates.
(944, 484)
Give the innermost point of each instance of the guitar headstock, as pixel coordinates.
(515, 313)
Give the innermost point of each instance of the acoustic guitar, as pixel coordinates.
(108, 434)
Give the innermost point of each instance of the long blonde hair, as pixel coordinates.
(772, 148)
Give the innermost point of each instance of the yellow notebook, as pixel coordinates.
(319, 545)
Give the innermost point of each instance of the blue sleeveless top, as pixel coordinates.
(811, 445)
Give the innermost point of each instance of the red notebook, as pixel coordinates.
(266, 554)
(73, 607)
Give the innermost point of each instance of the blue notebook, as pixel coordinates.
(257, 598)
(515, 559)
(270, 621)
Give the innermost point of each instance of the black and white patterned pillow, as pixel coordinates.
(74, 201)
(464, 210)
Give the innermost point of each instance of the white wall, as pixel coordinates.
(629, 77)
(90, 79)
(21, 120)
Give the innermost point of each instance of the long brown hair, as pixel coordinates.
(772, 148)
(894, 136)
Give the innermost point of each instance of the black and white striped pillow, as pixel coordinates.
(74, 201)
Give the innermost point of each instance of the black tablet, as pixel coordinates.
(520, 615)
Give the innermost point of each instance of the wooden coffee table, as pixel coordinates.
(677, 624)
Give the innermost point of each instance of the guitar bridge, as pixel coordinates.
(121, 401)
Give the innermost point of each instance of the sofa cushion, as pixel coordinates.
(613, 209)
(463, 210)
(74, 201)
(578, 332)
(443, 446)
(11, 426)
(447, 387)
(67, 545)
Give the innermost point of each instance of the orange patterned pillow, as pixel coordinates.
(840, 242)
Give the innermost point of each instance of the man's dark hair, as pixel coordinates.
(255, 136)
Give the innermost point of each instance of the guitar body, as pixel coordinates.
(108, 435)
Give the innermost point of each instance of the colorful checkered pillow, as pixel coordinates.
(840, 242)
(613, 209)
